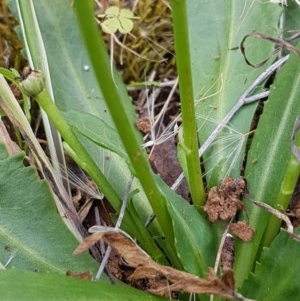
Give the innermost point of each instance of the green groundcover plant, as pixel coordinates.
(224, 77)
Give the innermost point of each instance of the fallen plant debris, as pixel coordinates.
(277, 213)
(145, 268)
(224, 202)
(85, 275)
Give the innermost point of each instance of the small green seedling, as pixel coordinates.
(117, 19)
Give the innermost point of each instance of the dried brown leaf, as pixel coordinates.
(192, 284)
(140, 272)
(88, 242)
(146, 268)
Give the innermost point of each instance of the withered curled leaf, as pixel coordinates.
(146, 268)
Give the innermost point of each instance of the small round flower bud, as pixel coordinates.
(33, 82)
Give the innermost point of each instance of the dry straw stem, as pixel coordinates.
(277, 213)
(158, 132)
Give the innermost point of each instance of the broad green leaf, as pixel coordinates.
(96, 130)
(276, 277)
(27, 286)
(220, 74)
(269, 156)
(31, 231)
(192, 233)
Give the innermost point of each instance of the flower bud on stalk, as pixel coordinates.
(33, 82)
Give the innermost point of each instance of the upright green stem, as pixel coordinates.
(183, 61)
(115, 104)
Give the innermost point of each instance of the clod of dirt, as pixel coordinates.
(143, 124)
(224, 202)
(242, 230)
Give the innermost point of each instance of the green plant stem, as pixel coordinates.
(87, 163)
(287, 188)
(114, 102)
(183, 61)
